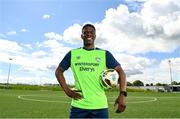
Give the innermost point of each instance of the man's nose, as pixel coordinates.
(89, 33)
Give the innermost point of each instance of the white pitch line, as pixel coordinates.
(168, 97)
(22, 97)
(29, 99)
(151, 99)
(144, 101)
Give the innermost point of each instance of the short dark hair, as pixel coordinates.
(90, 25)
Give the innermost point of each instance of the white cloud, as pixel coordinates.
(159, 72)
(134, 65)
(24, 30)
(171, 29)
(72, 34)
(46, 16)
(39, 54)
(155, 26)
(150, 30)
(43, 60)
(10, 33)
(163, 17)
(9, 45)
(157, 8)
(29, 46)
(57, 50)
(136, 0)
(53, 36)
(40, 62)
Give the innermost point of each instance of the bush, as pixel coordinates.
(31, 87)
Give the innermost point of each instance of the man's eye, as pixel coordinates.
(91, 32)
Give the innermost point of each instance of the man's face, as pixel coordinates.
(88, 35)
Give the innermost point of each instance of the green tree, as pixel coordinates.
(161, 84)
(158, 84)
(147, 85)
(138, 83)
(129, 84)
(174, 83)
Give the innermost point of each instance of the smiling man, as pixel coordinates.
(87, 63)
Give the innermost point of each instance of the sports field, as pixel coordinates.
(54, 104)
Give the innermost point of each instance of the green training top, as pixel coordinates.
(87, 66)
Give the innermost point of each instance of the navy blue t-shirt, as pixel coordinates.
(111, 62)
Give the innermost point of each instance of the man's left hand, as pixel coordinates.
(121, 103)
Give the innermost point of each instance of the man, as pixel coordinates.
(87, 63)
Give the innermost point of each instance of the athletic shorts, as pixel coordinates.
(88, 113)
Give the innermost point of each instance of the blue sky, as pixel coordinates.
(142, 35)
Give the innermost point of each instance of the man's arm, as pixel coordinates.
(121, 99)
(122, 79)
(60, 77)
(111, 62)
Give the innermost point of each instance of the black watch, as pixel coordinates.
(123, 93)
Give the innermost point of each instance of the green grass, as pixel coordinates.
(50, 104)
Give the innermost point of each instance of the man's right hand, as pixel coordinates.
(60, 77)
(73, 94)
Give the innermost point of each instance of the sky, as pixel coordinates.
(143, 35)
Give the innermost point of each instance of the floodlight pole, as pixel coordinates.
(9, 71)
(170, 72)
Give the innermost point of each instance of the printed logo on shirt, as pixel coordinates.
(87, 66)
(78, 57)
(98, 59)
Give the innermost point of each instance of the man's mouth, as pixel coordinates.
(89, 38)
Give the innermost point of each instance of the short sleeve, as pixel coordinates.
(111, 62)
(66, 61)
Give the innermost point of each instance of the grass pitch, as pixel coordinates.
(55, 104)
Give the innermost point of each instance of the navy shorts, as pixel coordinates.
(88, 113)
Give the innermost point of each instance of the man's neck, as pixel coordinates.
(89, 47)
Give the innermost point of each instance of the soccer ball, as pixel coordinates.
(109, 78)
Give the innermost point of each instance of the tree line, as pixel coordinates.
(140, 83)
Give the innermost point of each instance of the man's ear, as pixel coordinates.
(82, 36)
